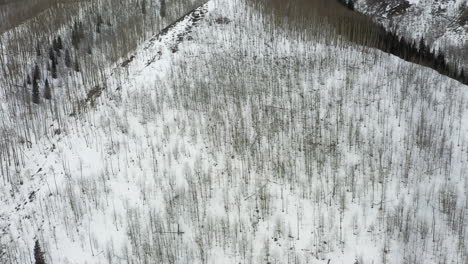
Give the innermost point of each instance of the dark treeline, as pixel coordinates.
(329, 19)
(348, 3)
(420, 53)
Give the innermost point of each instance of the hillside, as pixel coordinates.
(442, 23)
(230, 138)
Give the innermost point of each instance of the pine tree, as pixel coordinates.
(51, 54)
(55, 44)
(465, 81)
(38, 254)
(422, 45)
(54, 70)
(350, 5)
(35, 92)
(77, 66)
(143, 7)
(404, 48)
(441, 61)
(99, 20)
(38, 50)
(47, 91)
(25, 92)
(76, 36)
(67, 58)
(59, 43)
(343, 2)
(81, 32)
(37, 73)
(74, 39)
(423, 50)
(163, 8)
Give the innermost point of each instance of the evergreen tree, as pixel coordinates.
(99, 20)
(430, 57)
(25, 92)
(343, 2)
(51, 54)
(350, 5)
(55, 44)
(74, 40)
(38, 254)
(404, 51)
(28, 79)
(54, 70)
(77, 66)
(465, 81)
(59, 43)
(81, 29)
(75, 35)
(67, 58)
(35, 92)
(37, 73)
(163, 8)
(440, 61)
(38, 50)
(423, 51)
(47, 91)
(143, 7)
(422, 45)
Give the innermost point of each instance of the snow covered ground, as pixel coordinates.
(227, 140)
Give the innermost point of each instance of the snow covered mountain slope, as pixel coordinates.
(442, 23)
(228, 140)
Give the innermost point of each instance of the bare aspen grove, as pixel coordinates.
(227, 131)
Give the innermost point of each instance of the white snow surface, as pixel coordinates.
(210, 155)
